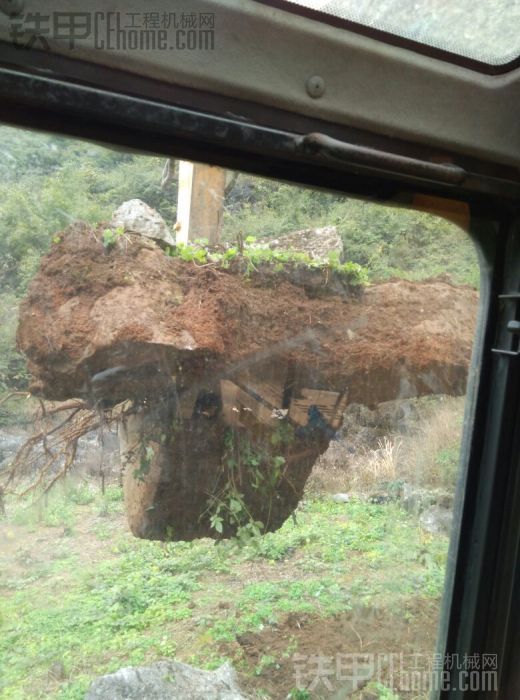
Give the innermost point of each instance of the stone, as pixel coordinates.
(167, 680)
(171, 497)
(437, 520)
(316, 242)
(136, 216)
(418, 500)
(341, 498)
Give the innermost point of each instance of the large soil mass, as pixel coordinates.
(229, 373)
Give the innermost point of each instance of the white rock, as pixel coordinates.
(341, 497)
(437, 519)
(316, 242)
(167, 680)
(135, 216)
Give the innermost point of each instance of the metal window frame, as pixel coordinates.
(264, 58)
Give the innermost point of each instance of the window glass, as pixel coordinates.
(485, 32)
(230, 420)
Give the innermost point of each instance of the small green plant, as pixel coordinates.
(448, 461)
(384, 693)
(266, 662)
(189, 253)
(81, 495)
(102, 532)
(230, 510)
(254, 465)
(253, 256)
(298, 694)
(145, 461)
(113, 494)
(59, 514)
(111, 237)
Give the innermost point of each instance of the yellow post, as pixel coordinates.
(200, 205)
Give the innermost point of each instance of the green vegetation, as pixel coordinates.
(297, 694)
(110, 237)
(389, 241)
(83, 593)
(260, 469)
(254, 256)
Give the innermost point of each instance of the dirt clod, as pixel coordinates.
(238, 382)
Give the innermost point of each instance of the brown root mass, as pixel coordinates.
(211, 350)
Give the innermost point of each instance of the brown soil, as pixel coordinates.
(89, 309)
(379, 637)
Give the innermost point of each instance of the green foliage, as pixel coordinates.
(196, 253)
(59, 514)
(448, 461)
(257, 466)
(388, 241)
(113, 494)
(111, 237)
(82, 495)
(266, 663)
(266, 208)
(297, 694)
(384, 693)
(253, 256)
(107, 612)
(13, 373)
(228, 510)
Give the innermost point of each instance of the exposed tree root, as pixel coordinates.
(49, 454)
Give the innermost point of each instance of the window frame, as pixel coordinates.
(387, 37)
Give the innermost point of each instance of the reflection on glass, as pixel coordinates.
(490, 36)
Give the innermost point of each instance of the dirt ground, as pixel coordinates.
(378, 640)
